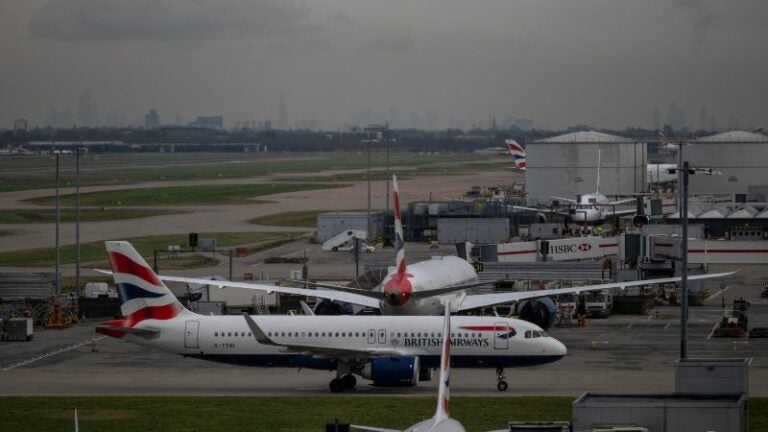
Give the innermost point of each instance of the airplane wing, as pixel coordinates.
(346, 297)
(356, 291)
(447, 290)
(482, 300)
(570, 200)
(623, 201)
(373, 429)
(541, 210)
(618, 213)
(322, 350)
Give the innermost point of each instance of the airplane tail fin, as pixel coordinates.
(142, 295)
(400, 263)
(444, 389)
(518, 154)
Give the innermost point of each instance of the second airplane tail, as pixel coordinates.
(142, 295)
(518, 153)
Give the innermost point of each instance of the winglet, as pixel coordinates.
(444, 390)
(259, 334)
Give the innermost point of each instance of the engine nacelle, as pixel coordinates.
(541, 311)
(392, 371)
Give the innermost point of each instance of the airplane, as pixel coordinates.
(441, 421)
(423, 288)
(517, 152)
(388, 350)
(659, 173)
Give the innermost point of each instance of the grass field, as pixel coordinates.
(185, 195)
(94, 251)
(37, 172)
(306, 219)
(282, 414)
(68, 215)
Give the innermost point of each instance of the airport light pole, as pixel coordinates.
(368, 233)
(57, 274)
(77, 222)
(683, 171)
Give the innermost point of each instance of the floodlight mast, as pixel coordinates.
(683, 171)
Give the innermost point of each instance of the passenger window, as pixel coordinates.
(249, 334)
(229, 334)
(215, 334)
(282, 334)
(303, 334)
(242, 334)
(337, 334)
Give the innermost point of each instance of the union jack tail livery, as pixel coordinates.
(142, 295)
(518, 153)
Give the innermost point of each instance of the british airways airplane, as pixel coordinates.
(388, 350)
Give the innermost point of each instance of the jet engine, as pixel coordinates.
(392, 371)
(540, 311)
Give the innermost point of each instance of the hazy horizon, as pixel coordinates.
(434, 63)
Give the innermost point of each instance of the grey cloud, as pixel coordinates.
(166, 19)
(395, 43)
(703, 21)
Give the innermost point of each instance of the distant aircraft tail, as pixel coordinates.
(518, 153)
(400, 263)
(142, 295)
(444, 389)
(397, 288)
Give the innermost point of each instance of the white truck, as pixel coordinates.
(599, 304)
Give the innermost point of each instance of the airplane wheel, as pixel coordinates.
(502, 386)
(336, 385)
(334, 249)
(349, 381)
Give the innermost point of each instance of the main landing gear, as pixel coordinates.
(501, 385)
(346, 382)
(344, 379)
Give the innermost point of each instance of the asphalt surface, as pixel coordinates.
(624, 353)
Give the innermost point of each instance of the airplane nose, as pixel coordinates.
(559, 348)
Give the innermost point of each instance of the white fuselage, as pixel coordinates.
(476, 341)
(436, 273)
(659, 173)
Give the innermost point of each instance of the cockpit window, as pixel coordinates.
(530, 334)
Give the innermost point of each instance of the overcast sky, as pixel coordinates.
(606, 63)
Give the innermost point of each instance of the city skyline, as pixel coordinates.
(434, 64)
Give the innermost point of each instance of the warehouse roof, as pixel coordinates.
(735, 136)
(586, 137)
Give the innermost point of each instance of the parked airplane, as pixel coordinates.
(424, 287)
(389, 351)
(659, 173)
(441, 421)
(518, 154)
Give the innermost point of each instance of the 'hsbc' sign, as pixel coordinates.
(582, 248)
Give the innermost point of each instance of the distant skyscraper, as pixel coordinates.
(676, 116)
(703, 118)
(267, 124)
(656, 119)
(152, 119)
(87, 111)
(282, 118)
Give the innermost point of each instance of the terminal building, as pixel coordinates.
(566, 166)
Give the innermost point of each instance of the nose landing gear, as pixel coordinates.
(501, 385)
